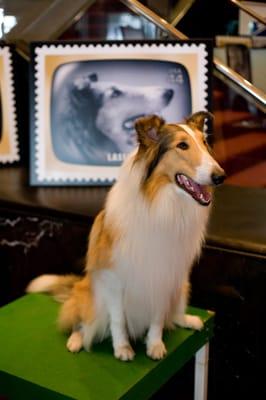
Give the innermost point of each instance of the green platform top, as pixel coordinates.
(35, 364)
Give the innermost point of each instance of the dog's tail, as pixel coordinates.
(59, 286)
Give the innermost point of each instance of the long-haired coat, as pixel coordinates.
(143, 244)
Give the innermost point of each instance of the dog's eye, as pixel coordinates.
(116, 93)
(182, 146)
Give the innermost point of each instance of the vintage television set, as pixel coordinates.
(86, 98)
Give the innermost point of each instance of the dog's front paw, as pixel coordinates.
(75, 342)
(124, 352)
(156, 350)
(189, 321)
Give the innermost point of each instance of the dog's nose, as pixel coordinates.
(168, 94)
(217, 179)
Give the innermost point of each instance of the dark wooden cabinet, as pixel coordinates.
(45, 230)
(32, 244)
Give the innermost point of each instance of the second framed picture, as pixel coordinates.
(86, 98)
(9, 143)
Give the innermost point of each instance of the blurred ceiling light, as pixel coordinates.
(7, 22)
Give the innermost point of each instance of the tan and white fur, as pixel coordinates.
(142, 245)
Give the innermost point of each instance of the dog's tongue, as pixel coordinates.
(199, 192)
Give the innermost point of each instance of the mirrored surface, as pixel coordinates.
(239, 137)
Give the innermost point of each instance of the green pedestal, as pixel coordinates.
(35, 364)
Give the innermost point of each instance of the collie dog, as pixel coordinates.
(143, 244)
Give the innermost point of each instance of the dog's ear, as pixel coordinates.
(148, 129)
(197, 119)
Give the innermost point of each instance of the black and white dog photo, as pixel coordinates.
(93, 113)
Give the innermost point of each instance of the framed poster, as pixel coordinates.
(86, 98)
(9, 149)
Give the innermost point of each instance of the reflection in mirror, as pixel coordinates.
(110, 20)
(239, 137)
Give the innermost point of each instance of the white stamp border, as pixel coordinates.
(88, 174)
(9, 98)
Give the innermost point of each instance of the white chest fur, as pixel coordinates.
(154, 255)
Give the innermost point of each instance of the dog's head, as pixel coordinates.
(178, 154)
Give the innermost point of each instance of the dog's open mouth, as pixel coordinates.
(199, 193)
(129, 124)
